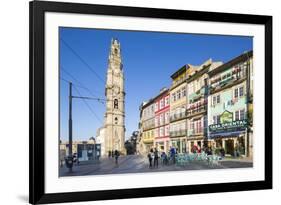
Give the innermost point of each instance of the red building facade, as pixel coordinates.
(162, 114)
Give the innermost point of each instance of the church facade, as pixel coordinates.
(114, 122)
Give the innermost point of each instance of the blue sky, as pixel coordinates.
(149, 58)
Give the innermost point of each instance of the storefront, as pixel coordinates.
(162, 145)
(179, 144)
(229, 137)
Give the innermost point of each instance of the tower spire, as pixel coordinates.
(115, 98)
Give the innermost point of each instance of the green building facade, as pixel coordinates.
(229, 105)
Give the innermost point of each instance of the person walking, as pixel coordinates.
(156, 157)
(173, 155)
(116, 155)
(150, 157)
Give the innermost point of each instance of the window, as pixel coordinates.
(183, 92)
(156, 132)
(166, 101)
(156, 106)
(156, 121)
(174, 97)
(167, 130)
(161, 119)
(242, 114)
(218, 99)
(178, 94)
(241, 91)
(166, 117)
(192, 125)
(199, 126)
(161, 131)
(236, 93)
(161, 103)
(214, 100)
(217, 119)
(115, 104)
(236, 115)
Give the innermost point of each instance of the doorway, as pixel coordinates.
(229, 147)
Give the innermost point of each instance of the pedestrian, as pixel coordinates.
(116, 155)
(112, 153)
(156, 157)
(150, 157)
(173, 154)
(109, 154)
(164, 158)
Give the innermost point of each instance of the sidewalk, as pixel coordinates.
(238, 159)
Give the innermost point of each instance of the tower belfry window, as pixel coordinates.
(115, 104)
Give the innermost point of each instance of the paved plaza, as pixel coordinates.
(140, 164)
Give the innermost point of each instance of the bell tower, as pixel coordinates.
(115, 101)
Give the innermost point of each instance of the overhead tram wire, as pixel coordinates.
(89, 107)
(81, 85)
(67, 81)
(82, 60)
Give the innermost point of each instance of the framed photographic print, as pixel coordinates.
(130, 102)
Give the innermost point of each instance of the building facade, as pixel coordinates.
(148, 125)
(178, 93)
(162, 131)
(114, 124)
(228, 106)
(210, 105)
(83, 150)
(197, 103)
(100, 136)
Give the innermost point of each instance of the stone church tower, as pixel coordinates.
(115, 101)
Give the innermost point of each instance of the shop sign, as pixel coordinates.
(228, 126)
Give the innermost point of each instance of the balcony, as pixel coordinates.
(178, 133)
(178, 82)
(196, 110)
(198, 94)
(178, 116)
(222, 83)
(198, 132)
(148, 127)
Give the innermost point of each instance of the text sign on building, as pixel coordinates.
(229, 126)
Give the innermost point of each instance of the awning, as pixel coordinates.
(226, 134)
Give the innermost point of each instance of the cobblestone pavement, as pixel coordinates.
(137, 163)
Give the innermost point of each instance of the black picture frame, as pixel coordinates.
(37, 11)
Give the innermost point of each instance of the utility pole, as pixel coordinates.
(70, 125)
(70, 97)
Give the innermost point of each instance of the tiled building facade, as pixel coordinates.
(209, 105)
